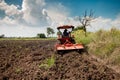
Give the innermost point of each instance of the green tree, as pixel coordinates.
(50, 31)
(41, 35)
(2, 36)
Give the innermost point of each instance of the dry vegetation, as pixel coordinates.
(103, 44)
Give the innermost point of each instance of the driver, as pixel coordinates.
(65, 33)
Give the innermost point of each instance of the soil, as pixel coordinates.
(20, 60)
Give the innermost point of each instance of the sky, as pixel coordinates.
(26, 18)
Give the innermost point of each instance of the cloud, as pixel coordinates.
(33, 12)
(104, 23)
(13, 14)
(30, 14)
(34, 15)
(98, 23)
(10, 10)
(116, 22)
(57, 13)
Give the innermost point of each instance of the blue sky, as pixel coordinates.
(16, 2)
(105, 8)
(29, 17)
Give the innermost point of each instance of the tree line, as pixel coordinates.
(2, 36)
(50, 32)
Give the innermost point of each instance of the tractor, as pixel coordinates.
(66, 40)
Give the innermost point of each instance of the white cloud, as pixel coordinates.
(116, 22)
(104, 23)
(13, 14)
(98, 23)
(35, 15)
(32, 12)
(57, 13)
(10, 10)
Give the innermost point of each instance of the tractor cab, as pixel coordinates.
(64, 35)
(66, 41)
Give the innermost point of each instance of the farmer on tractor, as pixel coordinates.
(65, 33)
(66, 41)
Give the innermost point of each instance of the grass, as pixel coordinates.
(48, 63)
(80, 37)
(102, 43)
(105, 42)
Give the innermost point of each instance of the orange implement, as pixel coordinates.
(69, 46)
(66, 41)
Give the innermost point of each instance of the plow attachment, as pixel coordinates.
(65, 47)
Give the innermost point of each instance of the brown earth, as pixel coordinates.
(20, 60)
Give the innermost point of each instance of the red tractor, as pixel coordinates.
(66, 41)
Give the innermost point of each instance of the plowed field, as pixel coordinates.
(20, 60)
